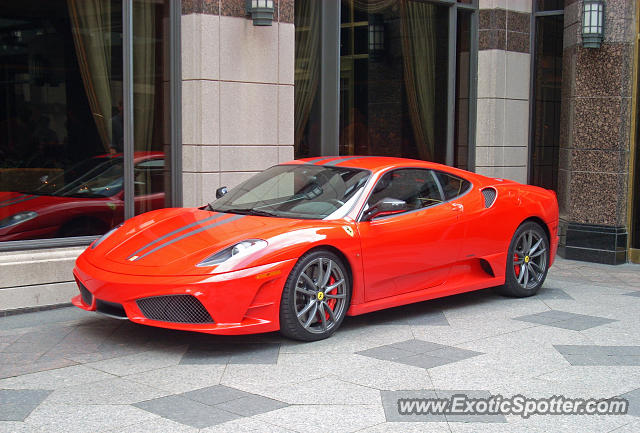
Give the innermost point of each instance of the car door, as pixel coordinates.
(414, 249)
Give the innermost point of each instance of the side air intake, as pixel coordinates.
(489, 196)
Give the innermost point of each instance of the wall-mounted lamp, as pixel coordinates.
(376, 37)
(592, 23)
(261, 11)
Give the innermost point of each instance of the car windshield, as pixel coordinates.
(95, 177)
(296, 191)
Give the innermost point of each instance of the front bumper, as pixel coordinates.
(238, 302)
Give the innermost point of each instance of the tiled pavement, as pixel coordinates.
(71, 371)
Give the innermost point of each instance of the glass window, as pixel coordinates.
(61, 119)
(152, 137)
(452, 186)
(547, 101)
(307, 77)
(296, 191)
(463, 79)
(417, 187)
(393, 78)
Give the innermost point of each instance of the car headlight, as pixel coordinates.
(104, 236)
(18, 218)
(240, 249)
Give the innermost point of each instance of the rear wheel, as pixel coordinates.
(527, 261)
(316, 297)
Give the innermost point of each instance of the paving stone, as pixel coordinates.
(214, 395)
(600, 355)
(17, 404)
(549, 293)
(251, 405)
(636, 294)
(266, 353)
(565, 320)
(634, 402)
(183, 410)
(419, 353)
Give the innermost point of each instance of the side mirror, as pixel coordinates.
(386, 206)
(221, 191)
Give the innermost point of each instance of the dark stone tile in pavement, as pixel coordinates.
(600, 355)
(17, 404)
(248, 353)
(549, 293)
(636, 294)
(251, 405)
(565, 320)
(210, 406)
(183, 410)
(216, 394)
(419, 353)
(419, 314)
(392, 406)
(634, 402)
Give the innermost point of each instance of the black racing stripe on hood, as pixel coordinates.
(314, 160)
(191, 233)
(14, 198)
(176, 231)
(5, 204)
(338, 161)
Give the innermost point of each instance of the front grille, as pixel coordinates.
(174, 308)
(87, 297)
(489, 196)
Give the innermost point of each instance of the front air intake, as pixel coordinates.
(489, 196)
(87, 297)
(174, 308)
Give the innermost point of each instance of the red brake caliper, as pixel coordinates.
(331, 302)
(516, 267)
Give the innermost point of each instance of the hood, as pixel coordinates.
(172, 241)
(12, 202)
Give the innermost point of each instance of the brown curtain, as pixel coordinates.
(144, 72)
(419, 57)
(307, 64)
(373, 6)
(91, 28)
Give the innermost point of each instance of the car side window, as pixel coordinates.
(417, 187)
(452, 186)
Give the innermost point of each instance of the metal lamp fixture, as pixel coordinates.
(261, 11)
(592, 23)
(376, 37)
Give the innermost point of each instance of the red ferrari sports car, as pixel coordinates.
(301, 245)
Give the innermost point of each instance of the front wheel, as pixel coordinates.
(527, 261)
(316, 297)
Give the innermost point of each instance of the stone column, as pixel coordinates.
(237, 94)
(595, 136)
(502, 133)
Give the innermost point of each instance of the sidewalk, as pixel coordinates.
(68, 370)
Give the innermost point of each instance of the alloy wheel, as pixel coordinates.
(530, 259)
(320, 295)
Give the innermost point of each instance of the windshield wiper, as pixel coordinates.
(244, 211)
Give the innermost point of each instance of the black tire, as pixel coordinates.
(309, 292)
(527, 261)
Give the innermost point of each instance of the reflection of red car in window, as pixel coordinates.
(87, 199)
